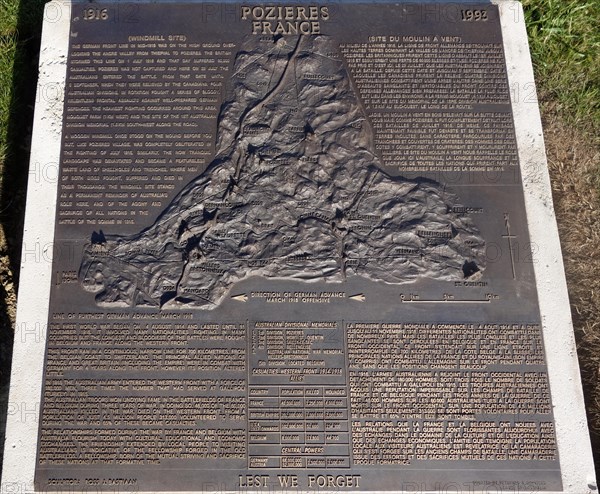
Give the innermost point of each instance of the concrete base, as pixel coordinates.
(36, 271)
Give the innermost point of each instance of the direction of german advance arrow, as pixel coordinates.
(360, 297)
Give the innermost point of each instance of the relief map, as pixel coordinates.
(295, 191)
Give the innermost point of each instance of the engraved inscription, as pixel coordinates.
(137, 122)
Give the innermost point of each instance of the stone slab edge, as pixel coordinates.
(574, 446)
(575, 451)
(36, 255)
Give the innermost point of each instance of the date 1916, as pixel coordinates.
(93, 14)
(476, 15)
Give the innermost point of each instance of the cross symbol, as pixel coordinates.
(509, 237)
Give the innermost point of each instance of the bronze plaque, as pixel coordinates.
(291, 252)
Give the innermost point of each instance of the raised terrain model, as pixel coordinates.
(295, 191)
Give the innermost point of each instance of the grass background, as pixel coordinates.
(564, 38)
(565, 45)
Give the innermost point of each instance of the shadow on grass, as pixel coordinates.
(15, 173)
(6, 347)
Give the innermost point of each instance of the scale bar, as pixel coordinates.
(486, 301)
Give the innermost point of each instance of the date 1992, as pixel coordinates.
(470, 15)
